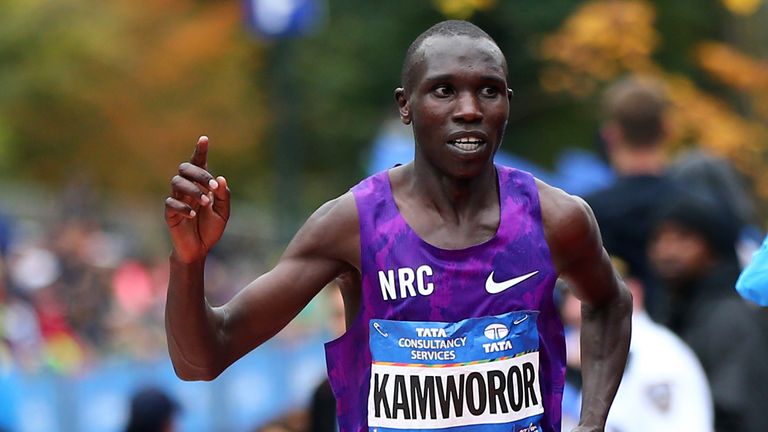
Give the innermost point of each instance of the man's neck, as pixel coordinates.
(635, 162)
(453, 197)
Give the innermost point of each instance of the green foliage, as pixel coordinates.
(683, 24)
(117, 92)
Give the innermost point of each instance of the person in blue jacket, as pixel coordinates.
(753, 281)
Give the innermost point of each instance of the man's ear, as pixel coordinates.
(611, 133)
(402, 105)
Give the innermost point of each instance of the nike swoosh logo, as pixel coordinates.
(494, 287)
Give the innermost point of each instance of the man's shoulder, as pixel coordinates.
(338, 211)
(568, 222)
(331, 231)
(560, 209)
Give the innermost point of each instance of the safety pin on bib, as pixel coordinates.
(377, 326)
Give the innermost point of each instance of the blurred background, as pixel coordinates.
(100, 102)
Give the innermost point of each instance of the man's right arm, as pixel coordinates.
(205, 340)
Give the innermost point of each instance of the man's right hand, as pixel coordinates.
(197, 210)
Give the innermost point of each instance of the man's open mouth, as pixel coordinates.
(467, 144)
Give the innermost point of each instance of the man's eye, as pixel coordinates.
(442, 91)
(489, 92)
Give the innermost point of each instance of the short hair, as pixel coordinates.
(637, 105)
(151, 410)
(444, 28)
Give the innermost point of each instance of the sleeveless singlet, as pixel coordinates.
(451, 340)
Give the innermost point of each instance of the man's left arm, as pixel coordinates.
(578, 254)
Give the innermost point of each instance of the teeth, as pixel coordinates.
(467, 146)
(467, 143)
(469, 140)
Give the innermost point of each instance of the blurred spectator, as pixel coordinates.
(5, 236)
(633, 131)
(667, 392)
(293, 421)
(322, 409)
(152, 411)
(83, 285)
(753, 281)
(664, 387)
(275, 427)
(692, 249)
(707, 175)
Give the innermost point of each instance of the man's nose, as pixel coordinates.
(467, 109)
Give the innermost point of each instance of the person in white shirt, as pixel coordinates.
(664, 387)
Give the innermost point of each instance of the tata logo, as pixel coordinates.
(496, 332)
(406, 282)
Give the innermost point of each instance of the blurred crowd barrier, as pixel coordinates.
(274, 379)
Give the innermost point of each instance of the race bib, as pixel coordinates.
(479, 374)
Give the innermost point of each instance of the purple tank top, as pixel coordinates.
(451, 340)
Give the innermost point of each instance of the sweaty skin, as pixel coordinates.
(448, 195)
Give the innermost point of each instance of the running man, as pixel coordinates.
(451, 323)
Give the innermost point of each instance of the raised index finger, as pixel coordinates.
(200, 156)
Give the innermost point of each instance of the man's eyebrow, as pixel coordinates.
(448, 77)
(441, 77)
(495, 78)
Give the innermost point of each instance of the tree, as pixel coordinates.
(113, 92)
(603, 40)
